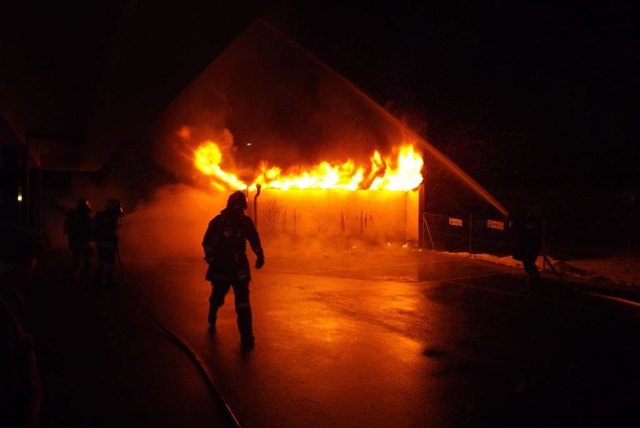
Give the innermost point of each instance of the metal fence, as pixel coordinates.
(475, 235)
(471, 234)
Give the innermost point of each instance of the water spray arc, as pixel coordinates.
(431, 150)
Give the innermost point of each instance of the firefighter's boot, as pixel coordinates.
(213, 317)
(245, 326)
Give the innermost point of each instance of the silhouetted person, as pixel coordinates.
(105, 233)
(20, 387)
(77, 227)
(528, 243)
(224, 246)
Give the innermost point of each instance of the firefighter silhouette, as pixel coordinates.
(528, 243)
(77, 227)
(105, 233)
(224, 245)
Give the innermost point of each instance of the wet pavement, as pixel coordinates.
(104, 363)
(391, 337)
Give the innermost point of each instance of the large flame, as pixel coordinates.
(401, 171)
(207, 159)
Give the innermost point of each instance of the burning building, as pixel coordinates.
(268, 118)
(373, 202)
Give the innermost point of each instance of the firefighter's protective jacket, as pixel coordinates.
(77, 226)
(224, 245)
(528, 239)
(105, 228)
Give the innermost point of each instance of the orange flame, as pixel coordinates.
(207, 159)
(400, 173)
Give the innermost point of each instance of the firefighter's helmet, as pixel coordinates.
(237, 200)
(83, 204)
(114, 204)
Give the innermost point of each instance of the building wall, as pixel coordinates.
(364, 215)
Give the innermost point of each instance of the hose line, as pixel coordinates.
(230, 418)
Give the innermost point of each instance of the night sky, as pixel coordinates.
(539, 95)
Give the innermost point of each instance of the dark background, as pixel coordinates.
(550, 86)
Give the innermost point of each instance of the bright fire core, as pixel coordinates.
(401, 171)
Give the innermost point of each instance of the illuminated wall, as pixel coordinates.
(364, 215)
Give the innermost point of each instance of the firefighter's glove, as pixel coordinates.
(260, 260)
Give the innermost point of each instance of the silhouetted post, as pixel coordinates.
(470, 234)
(255, 205)
(421, 219)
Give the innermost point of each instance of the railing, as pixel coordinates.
(474, 235)
(468, 233)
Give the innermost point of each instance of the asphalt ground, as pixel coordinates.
(103, 361)
(391, 337)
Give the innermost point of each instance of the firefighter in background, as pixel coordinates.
(224, 246)
(77, 227)
(528, 243)
(105, 233)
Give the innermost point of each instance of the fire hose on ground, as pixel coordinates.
(222, 404)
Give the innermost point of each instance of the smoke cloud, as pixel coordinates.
(265, 99)
(170, 226)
